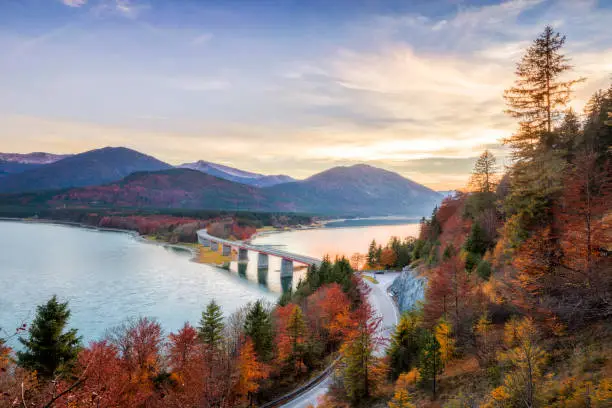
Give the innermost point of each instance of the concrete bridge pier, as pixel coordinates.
(205, 242)
(214, 246)
(286, 268)
(226, 250)
(262, 261)
(243, 254)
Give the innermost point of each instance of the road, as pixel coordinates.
(384, 307)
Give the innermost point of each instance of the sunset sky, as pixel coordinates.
(282, 86)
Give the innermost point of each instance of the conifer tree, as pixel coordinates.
(258, 326)
(296, 331)
(405, 342)
(484, 172)
(538, 99)
(211, 326)
(50, 349)
(431, 365)
(539, 95)
(372, 254)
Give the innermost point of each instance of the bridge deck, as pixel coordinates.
(203, 234)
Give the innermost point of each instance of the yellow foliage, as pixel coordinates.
(444, 336)
(407, 380)
(401, 399)
(526, 360)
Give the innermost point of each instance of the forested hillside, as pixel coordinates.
(518, 305)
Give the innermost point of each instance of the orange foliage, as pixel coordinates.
(388, 257)
(250, 371)
(329, 313)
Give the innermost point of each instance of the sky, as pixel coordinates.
(283, 86)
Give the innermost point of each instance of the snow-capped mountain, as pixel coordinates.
(237, 175)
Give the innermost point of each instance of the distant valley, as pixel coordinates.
(117, 177)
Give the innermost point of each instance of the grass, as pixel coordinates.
(370, 278)
(208, 256)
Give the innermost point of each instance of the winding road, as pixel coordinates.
(385, 308)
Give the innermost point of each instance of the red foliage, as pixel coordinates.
(328, 311)
(184, 348)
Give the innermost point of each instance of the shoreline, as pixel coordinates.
(137, 236)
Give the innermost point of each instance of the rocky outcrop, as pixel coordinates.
(408, 289)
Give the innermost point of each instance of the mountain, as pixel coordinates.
(237, 175)
(12, 167)
(94, 167)
(360, 189)
(32, 158)
(173, 188)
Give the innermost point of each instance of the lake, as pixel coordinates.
(109, 276)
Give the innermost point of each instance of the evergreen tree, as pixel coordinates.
(296, 331)
(405, 344)
(49, 348)
(477, 241)
(211, 326)
(372, 254)
(484, 172)
(431, 363)
(258, 326)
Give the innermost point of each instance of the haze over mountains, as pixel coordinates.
(121, 177)
(237, 175)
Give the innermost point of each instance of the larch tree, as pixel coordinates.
(251, 372)
(525, 359)
(539, 95)
(443, 334)
(50, 349)
(210, 330)
(538, 100)
(484, 172)
(362, 374)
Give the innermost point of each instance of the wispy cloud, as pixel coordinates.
(414, 93)
(131, 9)
(74, 3)
(201, 39)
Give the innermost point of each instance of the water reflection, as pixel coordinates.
(268, 277)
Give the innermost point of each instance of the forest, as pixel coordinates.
(517, 311)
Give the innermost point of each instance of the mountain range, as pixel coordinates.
(237, 175)
(121, 177)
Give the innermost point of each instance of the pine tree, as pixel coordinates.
(258, 326)
(484, 172)
(49, 348)
(431, 363)
(211, 326)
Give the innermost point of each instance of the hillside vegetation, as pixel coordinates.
(518, 305)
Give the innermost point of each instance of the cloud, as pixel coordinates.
(124, 8)
(74, 3)
(201, 39)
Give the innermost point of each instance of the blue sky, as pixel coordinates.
(282, 86)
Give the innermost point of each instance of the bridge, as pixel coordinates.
(263, 251)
